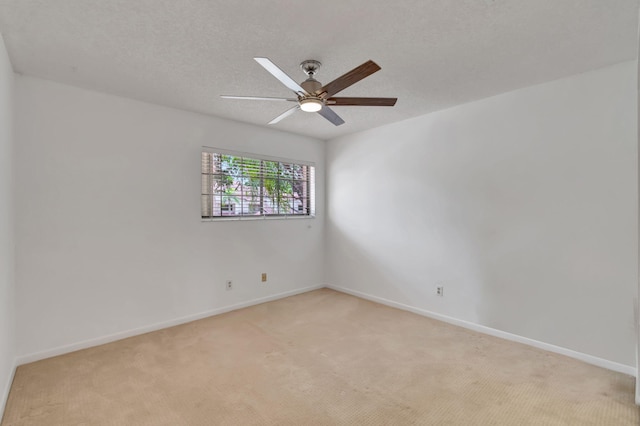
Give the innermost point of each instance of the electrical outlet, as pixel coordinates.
(229, 285)
(440, 290)
(264, 277)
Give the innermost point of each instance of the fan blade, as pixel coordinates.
(281, 75)
(362, 101)
(330, 115)
(285, 114)
(258, 98)
(352, 77)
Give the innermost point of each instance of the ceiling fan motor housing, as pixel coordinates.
(311, 85)
(311, 102)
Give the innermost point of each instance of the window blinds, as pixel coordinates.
(239, 186)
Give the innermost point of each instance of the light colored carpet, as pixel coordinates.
(319, 358)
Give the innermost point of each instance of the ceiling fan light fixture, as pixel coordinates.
(311, 105)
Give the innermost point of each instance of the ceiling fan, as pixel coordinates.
(312, 96)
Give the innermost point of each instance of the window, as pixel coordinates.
(236, 185)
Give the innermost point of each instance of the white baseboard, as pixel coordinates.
(7, 388)
(600, 362)
(24, 359)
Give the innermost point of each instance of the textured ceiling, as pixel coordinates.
(434, 53)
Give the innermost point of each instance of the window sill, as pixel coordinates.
(252, 218)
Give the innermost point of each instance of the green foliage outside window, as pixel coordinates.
(241, 186)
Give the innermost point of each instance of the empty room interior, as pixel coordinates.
(319, 213)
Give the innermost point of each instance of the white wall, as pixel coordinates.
(108, 229)
(523, 205)
(7, 289)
